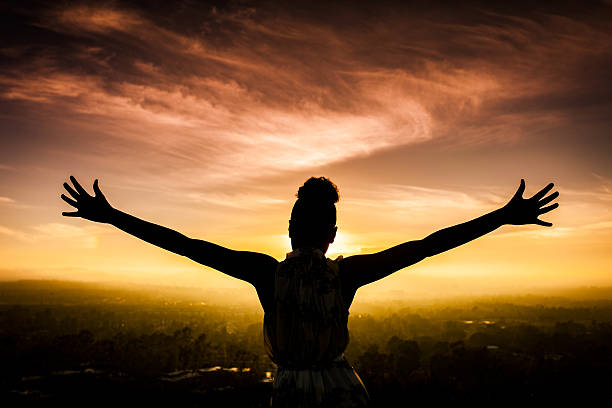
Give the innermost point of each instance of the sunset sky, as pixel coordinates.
(206, 118)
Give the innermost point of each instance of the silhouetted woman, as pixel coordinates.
(307, 296)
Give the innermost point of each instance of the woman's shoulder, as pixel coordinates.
(334, 264)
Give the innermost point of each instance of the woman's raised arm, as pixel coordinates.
(248, 266)
(363, 269)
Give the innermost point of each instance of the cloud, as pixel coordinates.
(235, 127)
(180, 106)
(16, 234)
(81, 237)
(605, 225)
(416, 198)
(244, 201)
(251, 92)
(83, 18)
(600, 193)
(554, 232)
(9, 202)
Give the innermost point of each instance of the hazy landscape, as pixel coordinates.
(74, 343)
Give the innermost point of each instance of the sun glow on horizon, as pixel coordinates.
(423, 118)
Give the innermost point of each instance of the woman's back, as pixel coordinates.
(307, 323)
(305, 332)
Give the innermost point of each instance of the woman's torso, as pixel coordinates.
(306, 321)
(305, 333)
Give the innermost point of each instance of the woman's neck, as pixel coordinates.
(299, 245)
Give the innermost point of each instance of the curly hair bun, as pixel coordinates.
(319, 189)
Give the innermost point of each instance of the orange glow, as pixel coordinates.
(423, 122)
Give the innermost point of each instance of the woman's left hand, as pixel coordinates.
(521, 211)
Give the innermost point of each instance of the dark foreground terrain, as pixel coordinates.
(83, 345)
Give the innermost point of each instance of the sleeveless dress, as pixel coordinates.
(305, 334)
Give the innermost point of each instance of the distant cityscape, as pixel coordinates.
(62, 342)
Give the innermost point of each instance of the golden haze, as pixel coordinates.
(421, 125)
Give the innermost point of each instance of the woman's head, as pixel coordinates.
(313, 218)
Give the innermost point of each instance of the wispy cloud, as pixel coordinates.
(604, 225)
(527, 232)
(416, 198)
(16, 234)
(413, 108)
(601, 192)
(81, 237)
(243, 201)
(258, 93)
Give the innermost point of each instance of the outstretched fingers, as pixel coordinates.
(71, 191)
(97, 190)
(544, 201)
(544, 210)
(544, 223)
(70, 201)
(78, 187)
(521, 189)
(71, 214)
(548, 199)
(537, 196)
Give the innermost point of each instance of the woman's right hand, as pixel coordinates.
(93, 208)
